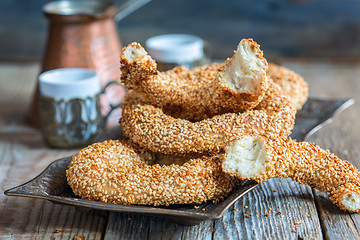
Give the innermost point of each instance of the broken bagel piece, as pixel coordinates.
(237, 85)
(259, 158)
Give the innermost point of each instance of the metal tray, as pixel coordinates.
(51, 184)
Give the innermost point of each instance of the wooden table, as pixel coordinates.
(305, 213)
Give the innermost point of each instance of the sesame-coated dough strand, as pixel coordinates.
(149, 127)
(291, 83)
(303, 162)
(114, 173)
(238, 84)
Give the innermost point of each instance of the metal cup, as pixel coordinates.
(69, 104)
(83, 34)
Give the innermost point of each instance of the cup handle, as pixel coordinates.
(112, 106)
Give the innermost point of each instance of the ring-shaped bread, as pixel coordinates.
(258, 158)
(291, 83)
(236, 85)
(114, 172)
(152, 129)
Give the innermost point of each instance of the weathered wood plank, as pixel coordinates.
(24, 155)
(137, 226)
(271, 197)
(28, 218)
(336, 80)
(17, 83)
(276, 209)
(337, 224)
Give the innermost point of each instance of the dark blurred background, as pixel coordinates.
(283, 28)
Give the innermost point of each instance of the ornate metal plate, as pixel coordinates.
(51, 184)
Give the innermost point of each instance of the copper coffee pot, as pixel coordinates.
(83, 34)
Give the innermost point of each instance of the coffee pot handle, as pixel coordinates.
(129, 7)
(112, 106)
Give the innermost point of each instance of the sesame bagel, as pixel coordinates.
(236, 85)
(122, 174)
(152, 129)
(258, 158)
(291, 83)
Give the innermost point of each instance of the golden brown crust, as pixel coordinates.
(136, 71)
(347, 191)
(192, 94)
(149, 127)
(291, 83)
(115, 173)
(307, 163)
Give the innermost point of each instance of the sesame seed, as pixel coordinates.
(139, 180)
(140, 122)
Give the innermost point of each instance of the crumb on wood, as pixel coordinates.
(203, 209)
(299, 222)
(247, 215)
(235, 209)
(270, 209)
(80, 237)
(267, 214)
(247, 212)
(274, 190)
(308, 215)
(57, 231)
(196, 207)
(294, 231)
(278, 213)
(246, 206)
(257, 213)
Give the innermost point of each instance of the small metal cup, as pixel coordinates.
(72, 117)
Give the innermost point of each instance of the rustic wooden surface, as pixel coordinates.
(277, 209)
